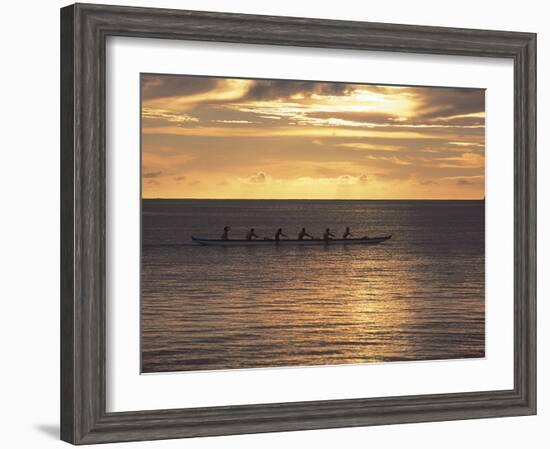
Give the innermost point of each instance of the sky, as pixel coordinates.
(213, 137)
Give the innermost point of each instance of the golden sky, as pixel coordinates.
(209, 137)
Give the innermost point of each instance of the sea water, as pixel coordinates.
(418, 296)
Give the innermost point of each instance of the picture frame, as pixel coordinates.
(84, 29)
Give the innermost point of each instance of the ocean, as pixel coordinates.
(418, 296)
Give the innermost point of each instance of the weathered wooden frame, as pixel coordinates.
(84, 29)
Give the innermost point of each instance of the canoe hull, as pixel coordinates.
(333, 242)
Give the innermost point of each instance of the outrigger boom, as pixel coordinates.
(285, 242)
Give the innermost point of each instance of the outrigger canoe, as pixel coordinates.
(272, 242)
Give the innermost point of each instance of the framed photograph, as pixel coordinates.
(274, 223)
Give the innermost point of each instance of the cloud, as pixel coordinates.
(331, 172)
(289, 131)
(258, 178)
(180, 178)
(345, 179)
(232, 121)
(476, 145)
(346, 105)
(471, 160)
(427, 182)
(342, 180)
(466, 180)
(189, 94)
(150, 175)
(171, 117)
(278, 89)
(395, 121)
(356, 116)
(449, 101)
(369, 146)
(159, 86)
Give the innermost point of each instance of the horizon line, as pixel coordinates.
(317, 199)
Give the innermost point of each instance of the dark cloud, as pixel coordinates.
(448, 102)
(159, 86)
(277, 89)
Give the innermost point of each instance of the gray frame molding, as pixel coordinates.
(84, 29)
